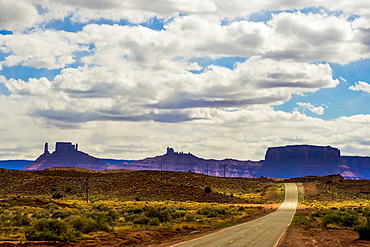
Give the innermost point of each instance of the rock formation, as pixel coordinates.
(174, 161)
(281, 162)
(359, 166)
(304, 160)
(65, 154)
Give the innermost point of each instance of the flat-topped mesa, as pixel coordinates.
(170, 151)
(302, 152)
(65, 154)
(300, 161)
(65, 146)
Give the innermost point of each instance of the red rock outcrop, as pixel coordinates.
(281, 162)
(174, 161)
(304, 160)
(65, 154)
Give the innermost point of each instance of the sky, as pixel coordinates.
(217, 78)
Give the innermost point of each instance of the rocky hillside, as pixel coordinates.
(174, 161)
(299, 161)
(71, 183)
(66, 154)
(359, 167)
(284, 162)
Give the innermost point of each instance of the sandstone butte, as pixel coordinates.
(283, 162)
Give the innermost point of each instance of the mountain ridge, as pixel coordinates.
(284, 162)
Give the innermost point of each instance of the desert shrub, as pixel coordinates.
(114, 214)
(212, 212)
(189, 217)
(241, 208)
(21, 219)
(51, 230)
(101, 207)
(132, 210)
(130, 217)
(40, 214)
(5, 205)
(363, 230)
(340, 218)
(62, 214)
(142, 219)
(86, 225)
(154, 222)
(51, 206)
(163, 214)
(101, 217)
(207, 189)
(6, 217)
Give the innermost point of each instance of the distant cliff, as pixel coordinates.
(65, 154)
(355, 166)
(299, 161)
(174, 161)
(281, 162)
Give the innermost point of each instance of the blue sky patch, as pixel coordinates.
(6, 32)
(24, 73)
(227, 62)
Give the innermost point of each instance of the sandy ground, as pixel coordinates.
(159, 238)
(324, 237)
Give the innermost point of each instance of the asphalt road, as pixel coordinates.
(263, 232)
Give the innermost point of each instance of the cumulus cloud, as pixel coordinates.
(40, 49)
(319, 110)
(315, 37)
(132, 88)
(15, 15)
(114, 94)
(360, 86)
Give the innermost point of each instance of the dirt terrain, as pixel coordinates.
(132, 185)
(159, 238)
(323, 237)
(177, 187)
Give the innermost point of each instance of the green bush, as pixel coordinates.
(189, 217)
(363, 230)
(154, 222)
(101, 207)
(61, 214)
(51, 230)
(341, 218)
(21, 219)
(51, 206)
(86, 225)
(142, 219)
(163, 214)
(212, 212)
(40, 214)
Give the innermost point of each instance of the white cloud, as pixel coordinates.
(15, 15)
(319, 110)
(40, 49)
(360, 86)
(127, 92)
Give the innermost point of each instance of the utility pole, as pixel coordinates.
(161, 171)
(87, 189)
(225, 170)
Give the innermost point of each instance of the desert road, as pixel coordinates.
(263, 232)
